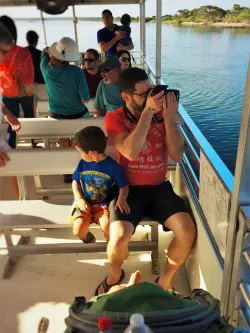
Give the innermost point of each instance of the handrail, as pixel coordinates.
(223, 172)
(220, 167)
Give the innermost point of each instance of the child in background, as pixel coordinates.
(93, 182)
(125, 21)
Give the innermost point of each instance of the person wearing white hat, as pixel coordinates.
(66, 84)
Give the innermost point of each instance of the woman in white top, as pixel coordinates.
(5, 44)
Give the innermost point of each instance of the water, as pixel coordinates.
(207, 64)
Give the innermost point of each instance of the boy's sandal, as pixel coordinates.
(89, 239)
(106, 286)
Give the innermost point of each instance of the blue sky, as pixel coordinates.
(169, 7)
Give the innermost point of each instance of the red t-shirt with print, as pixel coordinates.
(150, 167)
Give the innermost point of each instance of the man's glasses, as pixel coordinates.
(88, 60)
(124, 59)
(106, 70)
(144, 94)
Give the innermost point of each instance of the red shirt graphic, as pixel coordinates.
(150, 167)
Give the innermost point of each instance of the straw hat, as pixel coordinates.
(65, 50)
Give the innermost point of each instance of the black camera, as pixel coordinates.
(161, 87)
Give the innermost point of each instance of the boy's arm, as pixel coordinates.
(82, 203)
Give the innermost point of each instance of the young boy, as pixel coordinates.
(93, 182)
(125, 21)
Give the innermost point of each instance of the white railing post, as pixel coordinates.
(158, 40)
(142, 30)
(240, 197)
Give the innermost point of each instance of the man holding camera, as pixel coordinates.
(144, 133)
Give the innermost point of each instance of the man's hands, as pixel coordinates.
(3, 159)
(154, 103)
(119, 34)
(122, 204)
(84, 205)
(170, 108)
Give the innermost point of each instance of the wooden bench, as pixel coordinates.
(39, 214)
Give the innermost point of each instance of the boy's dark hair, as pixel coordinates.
(32, 37)
(5, 36)
(94, 52)
(107, 11)
(125, 19)
(130, 77)
(91, 138)
(10, 25)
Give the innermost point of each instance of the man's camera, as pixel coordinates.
(161, 87)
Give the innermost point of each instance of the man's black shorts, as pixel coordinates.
(157, 202)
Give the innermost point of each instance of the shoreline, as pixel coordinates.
(214, 24)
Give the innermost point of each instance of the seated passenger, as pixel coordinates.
(108, 38)
(144, 133)
(93, 75)
(40, 92)
(66, 84)
(93, 184)
(124, 58)
(108, 95)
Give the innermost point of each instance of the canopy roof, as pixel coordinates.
(74, 2)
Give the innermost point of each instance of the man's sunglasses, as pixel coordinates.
(144, 94)
(4, 51)
(88, 60)
(106, 70)
(124, 59)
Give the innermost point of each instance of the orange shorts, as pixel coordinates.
(97, 211)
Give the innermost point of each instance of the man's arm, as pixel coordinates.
(105, 46)
(174, 141)
(11, 119)
(130, 145)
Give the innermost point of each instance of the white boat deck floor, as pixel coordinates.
(45, 285)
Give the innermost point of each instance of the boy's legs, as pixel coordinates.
(81, 228)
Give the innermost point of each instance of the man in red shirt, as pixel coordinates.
(144, 133)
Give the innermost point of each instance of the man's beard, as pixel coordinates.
(137, 107)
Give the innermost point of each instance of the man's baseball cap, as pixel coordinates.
(109, 62)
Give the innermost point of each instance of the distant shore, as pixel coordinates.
(217, 24)
(173, 22)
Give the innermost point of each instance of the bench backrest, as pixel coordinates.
(43, 106)
(51, 128)
(54, 161)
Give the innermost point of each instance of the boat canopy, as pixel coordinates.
(73, 2)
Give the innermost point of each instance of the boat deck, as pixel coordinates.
(45, 285)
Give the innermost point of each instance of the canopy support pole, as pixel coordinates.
(158, 40)
(44, 30)
(75, 21)
(142, 31)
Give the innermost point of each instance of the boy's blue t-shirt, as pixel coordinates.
(97, 178)
(67, 87)
(126, 41)
(105, 35)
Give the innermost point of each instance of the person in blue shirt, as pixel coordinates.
(94, 184)
(108, 95)
(109, 37)
(66, 84)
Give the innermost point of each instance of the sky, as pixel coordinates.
(168, 7)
